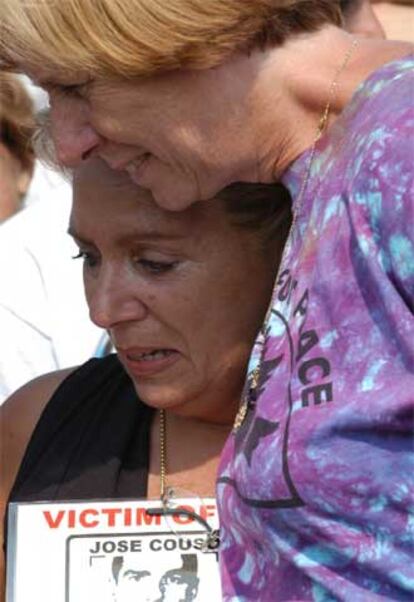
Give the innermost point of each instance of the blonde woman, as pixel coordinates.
(188, 96)
(17, 126)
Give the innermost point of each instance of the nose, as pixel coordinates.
(113, 298)
(73, 136)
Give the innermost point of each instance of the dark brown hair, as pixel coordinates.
(263, 207)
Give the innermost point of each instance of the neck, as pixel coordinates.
(218, 412)
(291, 89)
(199, 425)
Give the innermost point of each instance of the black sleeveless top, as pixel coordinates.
(91, 441)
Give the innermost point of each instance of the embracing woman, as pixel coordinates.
(189, 96)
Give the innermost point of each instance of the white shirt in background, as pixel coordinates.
(44, 320)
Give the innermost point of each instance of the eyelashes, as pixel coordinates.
(157, 267)
(149, 266)
(88, 259)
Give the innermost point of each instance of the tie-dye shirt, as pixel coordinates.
(316, 487)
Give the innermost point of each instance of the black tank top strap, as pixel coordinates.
(91, 441)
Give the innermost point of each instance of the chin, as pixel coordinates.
(175, 197)
(159, 397)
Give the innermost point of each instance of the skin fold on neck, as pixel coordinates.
(286, 78)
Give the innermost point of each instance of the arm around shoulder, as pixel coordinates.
(18, 418)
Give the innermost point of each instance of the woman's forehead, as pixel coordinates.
(102, 191)
(96, 186)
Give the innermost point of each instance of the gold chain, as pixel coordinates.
(212, 539)
(322, 124)
(254, 376)
(163, 457)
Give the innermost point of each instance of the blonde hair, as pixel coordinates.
(137, 38)
(17, 122)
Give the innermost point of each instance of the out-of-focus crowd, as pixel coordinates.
(44, 321)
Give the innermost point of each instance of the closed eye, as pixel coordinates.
(69, 90)
(157, 267)
(72, 91)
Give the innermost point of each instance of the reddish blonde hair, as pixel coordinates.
(17, 123)
(135, 38)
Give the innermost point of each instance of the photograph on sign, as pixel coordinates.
(111, 551)
(155, 568)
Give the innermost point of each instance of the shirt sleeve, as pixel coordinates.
(26, 343)
(383, 171)
(26, 352)
(396, 219)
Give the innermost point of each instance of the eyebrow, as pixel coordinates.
(130, 237)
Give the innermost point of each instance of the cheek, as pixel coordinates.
(119, 119)
(108, 126)
(89, 284)
(213, 328)
(107, 116)
(67, 113)
(239, 299)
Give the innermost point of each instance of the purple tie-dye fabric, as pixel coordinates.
(316, 488)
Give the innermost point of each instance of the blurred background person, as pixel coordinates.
(46, 181)
(393, 19)
(397, 18)
(360, 18)
(44, 321)
(16, 153)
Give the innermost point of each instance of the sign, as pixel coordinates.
(111, 551)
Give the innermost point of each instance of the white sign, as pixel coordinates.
(111, 551)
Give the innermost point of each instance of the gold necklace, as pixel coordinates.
(163, 459)
(250, 396)
(212, 540)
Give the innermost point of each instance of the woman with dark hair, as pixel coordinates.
(189, 96)
(182, 296)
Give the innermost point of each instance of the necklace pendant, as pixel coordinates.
(212, 542)
(252, 397)
(249, 401)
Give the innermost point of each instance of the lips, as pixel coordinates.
(122, 163)
(133, 167)
(147, 361)
(149, 356)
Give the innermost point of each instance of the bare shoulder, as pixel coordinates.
(375, 53)
(19, 416)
